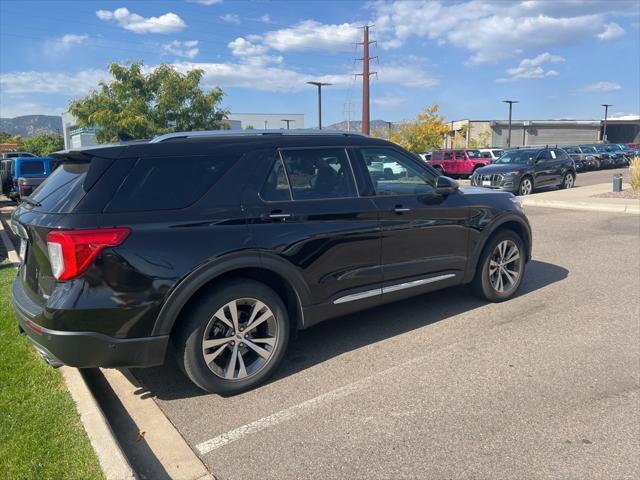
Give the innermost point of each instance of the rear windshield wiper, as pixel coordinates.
(33, 203)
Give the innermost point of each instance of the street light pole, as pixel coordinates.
(510, 102)
(319, 85)
(288, 120)
(606, 111)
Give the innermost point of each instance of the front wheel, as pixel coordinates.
(234, 339)
(568, 181)
(526, 186)
(500, 268)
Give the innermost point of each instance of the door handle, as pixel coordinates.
(280, 215)
(401, 209)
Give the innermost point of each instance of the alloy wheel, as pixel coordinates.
(505, 266)
(526, 186)
(569, 180)
(240, 338)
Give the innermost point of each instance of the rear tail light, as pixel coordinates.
(72, 251)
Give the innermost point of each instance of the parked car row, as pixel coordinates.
(521, 171)
(23, 172)
(599, 155)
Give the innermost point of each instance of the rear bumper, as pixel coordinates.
(85, 349)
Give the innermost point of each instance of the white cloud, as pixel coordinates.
(51, 82)
(611, 31)
(492, 30)
(187, 49)
(230, 18)
(532, 68)
(600, 87)
(241, 47)
(312, 35)
(65, 43)
(625, 116)
(164, 24)
(266, 18)
(389, 101)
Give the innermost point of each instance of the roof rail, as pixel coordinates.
(250, 133)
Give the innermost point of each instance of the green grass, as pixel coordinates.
(41, 436)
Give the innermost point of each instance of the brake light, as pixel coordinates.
(72, 251)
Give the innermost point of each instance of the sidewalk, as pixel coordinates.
(582, 198)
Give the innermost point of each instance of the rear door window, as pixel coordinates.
(169, 183)
(32, 168)
(319, 173)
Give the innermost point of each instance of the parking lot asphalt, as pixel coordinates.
(546, 385)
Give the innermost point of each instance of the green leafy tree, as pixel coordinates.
(141, 105)
(43, 144)
(6, 138)
(424, 132)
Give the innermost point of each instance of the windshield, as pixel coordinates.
(571, 150)
(601, 148)
(474, 154)
(588, 149)
(517, 156)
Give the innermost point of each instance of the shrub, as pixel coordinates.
(635, 174)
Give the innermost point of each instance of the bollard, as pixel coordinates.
(617, 182)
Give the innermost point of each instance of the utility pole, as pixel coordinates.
(347, 111)
(265, 124)
(389, 127)
(510, 102)
(319, 85)
(366, 58)
(288, 120)
(606, 111)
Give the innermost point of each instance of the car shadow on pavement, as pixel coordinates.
(343, 334)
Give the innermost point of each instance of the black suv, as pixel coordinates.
(221, 244)
(522, 170)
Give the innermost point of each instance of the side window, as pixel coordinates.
(276, 188)
(395, 174)
(486, 155)
(152, 183)
(447, 156)
(560, 155)
(319, 173)
(543, 156)
(436, 156)
(459, 156)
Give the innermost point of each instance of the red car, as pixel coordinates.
(458, 163)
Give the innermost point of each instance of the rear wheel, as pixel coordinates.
(568, 181)
(233, 340)
(500, 268)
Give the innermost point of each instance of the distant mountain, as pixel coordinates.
(356, 125)
(30, 125)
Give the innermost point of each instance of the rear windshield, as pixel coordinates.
(62, 191)
(168, 183)
(32, 168)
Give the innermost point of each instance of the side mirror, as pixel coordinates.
(446, 185)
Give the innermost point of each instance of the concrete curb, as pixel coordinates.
(157, 446)
(113, 462)
(591, 206)
(8, 245)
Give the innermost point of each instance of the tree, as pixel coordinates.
(483, 140)
(6, 138)
(422, 133)
(43, 144)
(141, 105)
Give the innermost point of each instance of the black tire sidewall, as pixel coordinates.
(189, 338)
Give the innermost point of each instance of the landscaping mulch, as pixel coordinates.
(625, 194)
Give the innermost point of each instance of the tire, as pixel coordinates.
(236, 361)
(568, 181)
(485, 283)
(526, 186)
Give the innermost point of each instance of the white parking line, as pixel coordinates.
(296, 410)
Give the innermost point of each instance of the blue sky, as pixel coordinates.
(560, 59)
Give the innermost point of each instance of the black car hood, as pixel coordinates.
(502, 168)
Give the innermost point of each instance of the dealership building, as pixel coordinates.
(466, 133)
